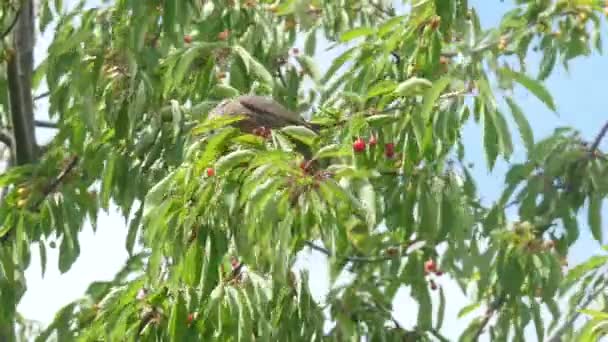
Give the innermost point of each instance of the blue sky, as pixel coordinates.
(582, 103)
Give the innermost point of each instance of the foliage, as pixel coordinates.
(212, 252)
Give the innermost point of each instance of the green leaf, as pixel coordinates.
(490, 139)
(233, 159)
(506, 144)
(441, 310)
(432, 95)
(356, 33)
(183, 65)
(580, 270)
(538, 321)
(301, 133)
(547, 63)
(412, 86)
(223, 91)
(310, 44)
(157, 194)
(367, 196)
(309, 67)
(380, 120)
(522, 124)
(381, 88)
(535, 87)
(595, 216)
(334, 150)
(42, 252)
(337, 63)
(254, 67)
(217, 122)
(178, 319)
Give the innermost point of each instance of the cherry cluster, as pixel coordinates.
(359, 146)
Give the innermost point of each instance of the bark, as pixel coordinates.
(19, 68)
(19, 74)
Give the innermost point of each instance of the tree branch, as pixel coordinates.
(6, 138)
(599, 137)
(41, 96)
(52, 187)
(354, 259)
(19, 75)
(557, 336)
(495, 306)
(45, 124)
(11, 26)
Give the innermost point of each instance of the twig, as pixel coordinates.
(495, 306)
(556, 337)
(445, 96)
(52, 187)
(41, 96)
(438, 335)
(598, 139)
(45, 124)
(6, 138)
(381, 10)
(11, 26)
(355, 259)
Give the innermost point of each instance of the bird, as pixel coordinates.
(262, 112)
(259, 111)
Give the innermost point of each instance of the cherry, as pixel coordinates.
(430, 266)
(389, 150)
(190, 318)
(187, 39)
(223, 35)
(392, 251)
(359, 145)
(210, 172)
(262, 132)
(435, 22)
(305, 165)
(234, 262)
(373, 140)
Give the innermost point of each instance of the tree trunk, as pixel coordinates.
(20, 65)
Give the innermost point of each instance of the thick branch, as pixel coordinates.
(19, 75)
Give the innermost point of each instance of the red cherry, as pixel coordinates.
(234, 262)
(187, 39)
(430, 266)
(373, 140)
(389, 150)
(210, 172)
(223, 35)
(305, 165)
(190, 318)
(359, 145)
